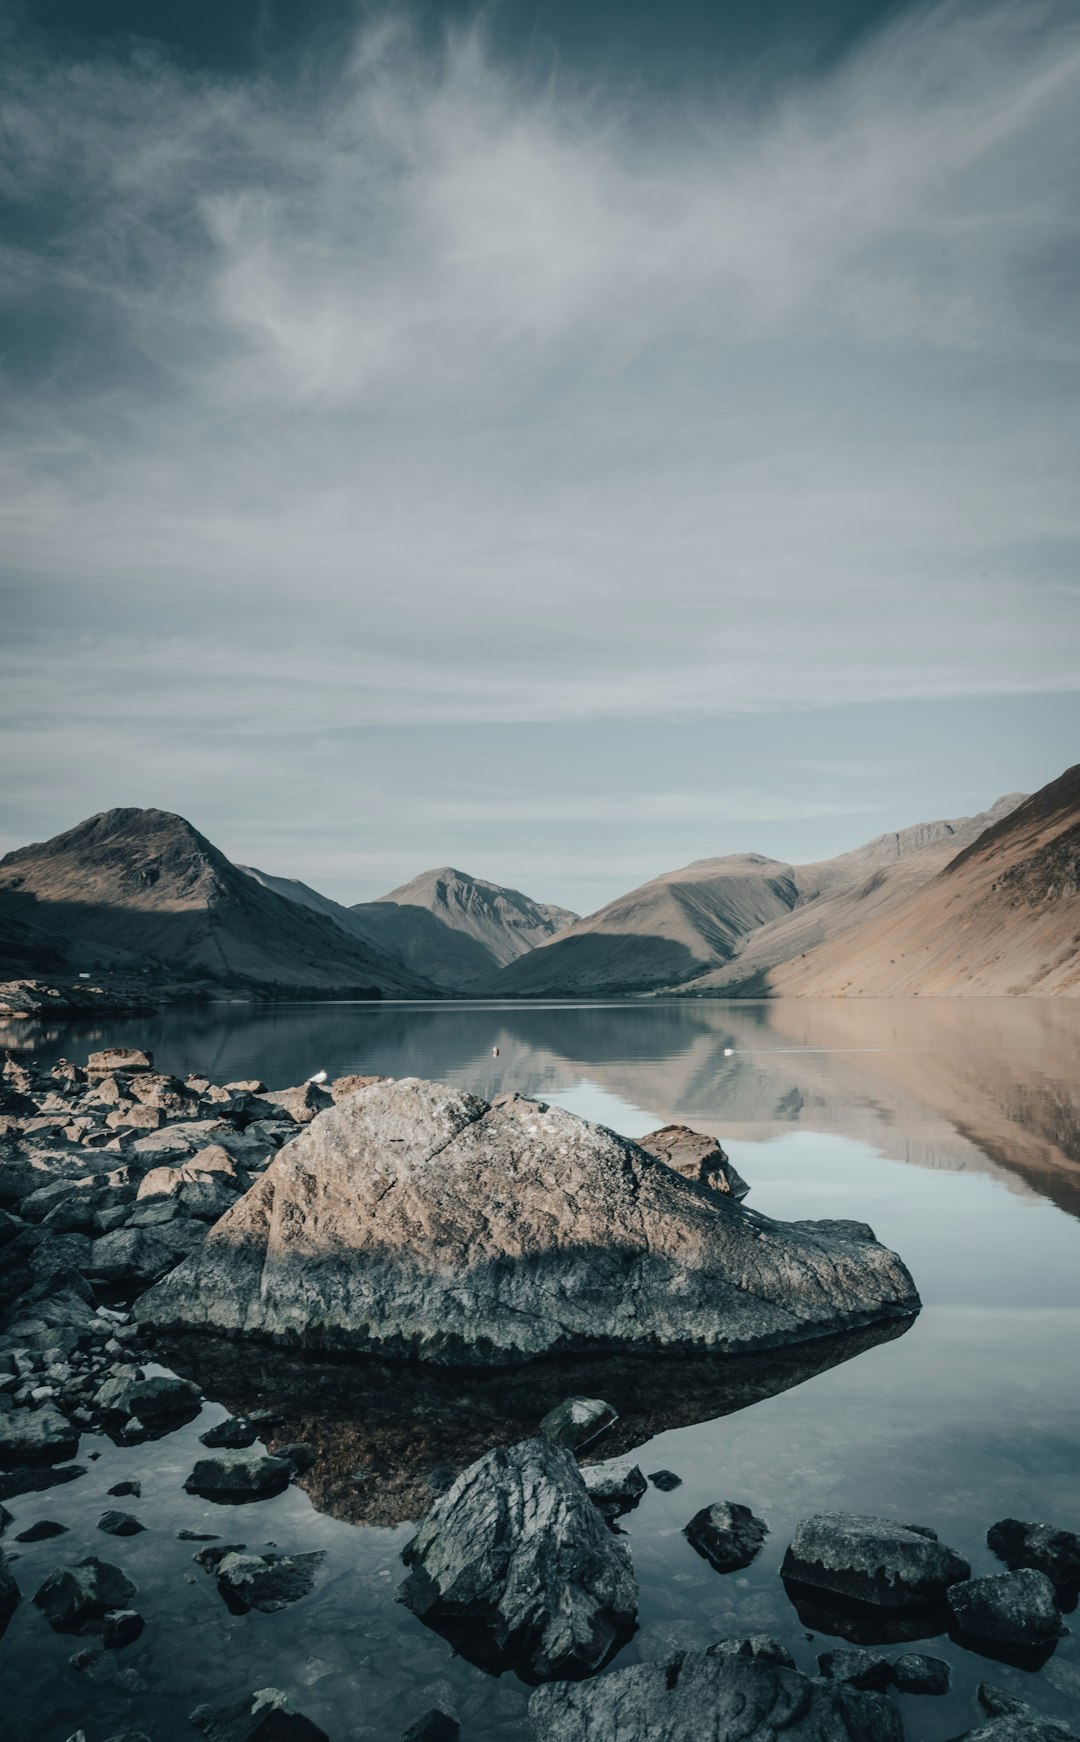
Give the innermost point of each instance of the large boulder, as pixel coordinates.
(35, 1436)
(710, 1698)
(1042, 1546)
(1015, 1610)
(516, 1550)
(417, 1220)
(872, 1560)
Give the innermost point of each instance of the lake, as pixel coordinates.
(952, 1127)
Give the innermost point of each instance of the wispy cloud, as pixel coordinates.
(432, 395)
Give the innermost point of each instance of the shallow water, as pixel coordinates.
(952, 1127)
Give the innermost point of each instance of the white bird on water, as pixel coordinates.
(494, 1052)
(319, 1077)
(728, 1051)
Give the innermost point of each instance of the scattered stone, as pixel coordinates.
(915, 1674)
(266, 1582)
(872, 1560)
(35, 1436)
(1041, 1546)
(1014, 1610)
(42, 1531)
(34, 1481)
(554, 1236)
(615, 1487)
(302, 1457)
(71, 1596)
(121, 1627)
(120, 1524)
(696, 1696)
(727, 1534)
(267, 1715)
(665, 1480)
(696, 1157)
(434, 1726)
(757, 1645)
(239, 1475)
(120, 1490)
(161, 1397)
(234, 1434)
(861, 1669)
(577, 1421)
(516, 1549)
(118, 1058)
(196, 1536)
(211, 1558)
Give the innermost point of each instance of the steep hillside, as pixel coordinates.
(457, 930)
(138, 890)
(1001, 918)
(838, 894)
(666, 931)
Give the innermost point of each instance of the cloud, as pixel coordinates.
(429, 393)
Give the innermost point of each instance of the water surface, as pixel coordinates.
(953, 1127)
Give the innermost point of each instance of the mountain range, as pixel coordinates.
(988, 904)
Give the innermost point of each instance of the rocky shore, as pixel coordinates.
(490, 1236)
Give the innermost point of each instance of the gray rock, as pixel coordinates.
(418, 1220)
(267, 1715)
(120, 1524)
(727, 1534)
(130, 1255)
(703, 1698)
(71, 1596)
(516, 1549)
(266, 1582)
(665, 1480)
(301, 1103)
(121, 1627)
(614, 1487)
(696, 1157)
(120, 1490)
(236, 1475)
(872, 1560)
(757, 1645)
(302, 1457)
(234, 1434)
(1008, 1609)
(34, 1436)
(1013, 1720)
(434, 1726)
(913, 1673)
(162, 1396)
(577, 1421)
(860, 1669)
(1042, 1546)
(42, 1531)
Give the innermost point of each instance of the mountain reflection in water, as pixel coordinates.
(388, 1436)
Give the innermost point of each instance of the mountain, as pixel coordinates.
(457, 930)
(667, 931)
(837, 894)
(138, 890)
(1001, 918)
(719, 926)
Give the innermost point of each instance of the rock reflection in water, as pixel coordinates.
(390, 1437)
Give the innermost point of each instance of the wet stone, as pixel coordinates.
(235, 1433)
(727, 1534)
(665, 1480)
(120, 1524)
(577, 1421)
(266, 1582)
(121, 1490)
(71, 1596)
(121, 1627)
(913, 1673)
(1015, 1610)
(434, 1726)
(874, 1561)
(41, 1531)
(1041, 1546)
(756, 1645)
(239, 1475)
(861, 1669)
(267, 1715)
(615, 1487)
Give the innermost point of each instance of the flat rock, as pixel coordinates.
(35, 1436)
(727, 1534)
(704, 1698)
(577, 1421)
(417, 1220)
(71, 1596)
(516, 1550)
(267, 1715)
(696, 1157)
(266, 1582)
(118, 1058)
(1042, 1546)
(238, 1475)
(1010, 1609)
(872, 1560)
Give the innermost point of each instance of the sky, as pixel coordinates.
(558, 440)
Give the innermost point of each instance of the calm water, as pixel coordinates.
(952, 1127)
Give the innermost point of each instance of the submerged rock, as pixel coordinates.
(710, 1696)
(71, 1596)
(872, 1560)
(517, 1551)
(727, 1534)
(267, 1715)
(417, 1220)
(266, 1582)
(1016, 1610)
(1042, 1546)
(614, 1487)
